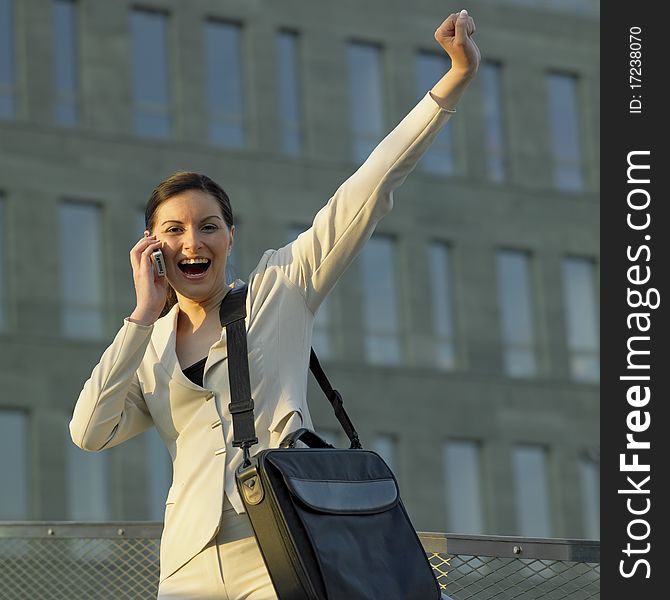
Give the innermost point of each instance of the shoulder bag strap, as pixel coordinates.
(232, 314)
(335, 399)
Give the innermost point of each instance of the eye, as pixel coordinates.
(209, 227)
(173, 229)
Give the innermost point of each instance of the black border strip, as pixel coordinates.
(634, 119)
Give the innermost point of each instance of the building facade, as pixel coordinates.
(464, 338)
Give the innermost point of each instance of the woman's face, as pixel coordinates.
(196, 243)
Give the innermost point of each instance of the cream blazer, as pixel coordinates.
(139, 381)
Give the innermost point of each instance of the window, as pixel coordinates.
(581, 318)
(589, 474)
(14, 500)
(493, 121)
(323, 321)
(439, 158)
(532, 493)
(289, 93)
(89, 490)
(380, 314)
(3, 258)
(463, 488)
(7, 58)
(81, 271)
(365, 98)
(385, 445)
(582, 7)
(159, 473)
(517, 313)
(564, 131)
(65, 62)
(440, 288)
(151, 94)
(225, 98)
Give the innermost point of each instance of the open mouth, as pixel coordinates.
(194, 268)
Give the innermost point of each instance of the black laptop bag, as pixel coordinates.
(329, 522)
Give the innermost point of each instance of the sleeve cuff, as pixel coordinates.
(441, 104)
(130, 323)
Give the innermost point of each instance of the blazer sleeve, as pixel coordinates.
(319, 256)
(111, 407)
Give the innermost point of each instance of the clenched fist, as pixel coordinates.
(455, 36)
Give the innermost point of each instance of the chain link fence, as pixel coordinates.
(118, 561)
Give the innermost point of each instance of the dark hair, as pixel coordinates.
(176, 184)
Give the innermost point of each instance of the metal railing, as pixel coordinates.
(115, 561)
(501, 568)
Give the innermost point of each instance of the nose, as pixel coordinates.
(192, 240)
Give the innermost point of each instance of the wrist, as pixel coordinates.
(141, 317)
(466, 74)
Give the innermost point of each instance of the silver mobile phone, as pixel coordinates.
(159, 262)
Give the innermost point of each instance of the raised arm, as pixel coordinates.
(319, 256)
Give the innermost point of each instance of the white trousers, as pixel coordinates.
(230, 567)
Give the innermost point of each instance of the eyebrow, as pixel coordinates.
(180, 222)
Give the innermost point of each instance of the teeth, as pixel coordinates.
(194, 261)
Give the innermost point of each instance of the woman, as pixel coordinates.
(207, 548)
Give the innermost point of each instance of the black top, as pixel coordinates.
(196, 371)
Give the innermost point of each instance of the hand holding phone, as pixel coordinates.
(150, 279)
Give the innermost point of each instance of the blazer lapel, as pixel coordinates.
(218, 351)
(164, 340)
(165, 335)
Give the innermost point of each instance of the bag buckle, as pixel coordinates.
(236, 408)
(249, 483)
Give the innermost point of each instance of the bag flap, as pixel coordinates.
(345, 497)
